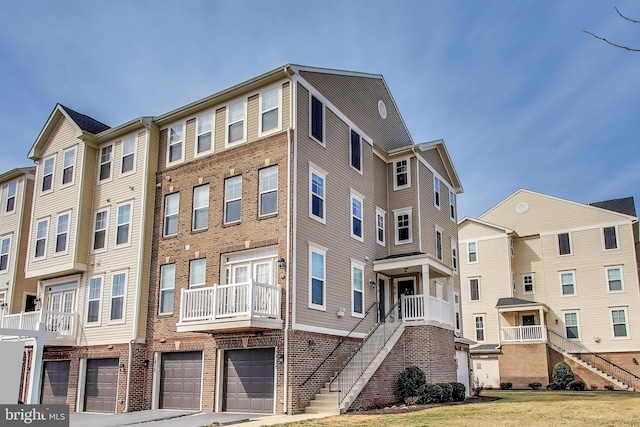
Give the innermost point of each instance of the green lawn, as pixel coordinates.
(513, 408)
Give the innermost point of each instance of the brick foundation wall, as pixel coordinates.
(521, 364)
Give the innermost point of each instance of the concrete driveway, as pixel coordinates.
(157, 418)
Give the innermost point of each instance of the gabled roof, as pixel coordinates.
(485, 223)
(485, 348)
(446, 159)
(13, 173)
(502, 302)
(624, 206)
(85, 122)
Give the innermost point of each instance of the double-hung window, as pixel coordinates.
(472, 251)
(614, 279)
(527, 283)
(201, 207)
(204, 134)
(564, 244)
(317, 119)
(232, 199)
(317, 195)
(568, 282)
(106, 159)
(100, 230)
(268, 188)
(235, 122)
(47, 173)
(68, 162)
(474, 289)
(270, 110)
(197, 272)
(452, 205)
(356, 216)
(123, 226)
(619, 323)
(356, 151)
(95, 295)
(62, 233)
(12, 189)
(317, 284)
(357, 289)
(118, 284)
(171, 206)
(571, 326)
(380, 226)
(479, 326)
(42, 228)
(128, 155)
(436, 192)
(403, 223)
(175, 146)
(454, 255)
(439, 243)
(610, 238)
(402, 176)
(5, 245)
(167, 286)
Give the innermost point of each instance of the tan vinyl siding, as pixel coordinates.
(528, 259)
(433, 158)
(400, 199)
(190, 139)
(221, 129)
(286, 105)
(85, 218)
(380, 197)
(23, 285)
(252, 117)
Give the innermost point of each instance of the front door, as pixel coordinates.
(58, 303)
(405, 287)
(529, 320)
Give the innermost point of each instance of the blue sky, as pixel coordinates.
(522, 97)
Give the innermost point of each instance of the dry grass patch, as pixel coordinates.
(513, 408)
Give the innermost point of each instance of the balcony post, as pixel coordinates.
(252, 286)
(542, 324)
(426, 291)
(214, 312)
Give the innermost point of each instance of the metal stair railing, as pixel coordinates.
(365, 353)
(630, 379)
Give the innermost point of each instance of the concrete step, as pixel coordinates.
(311, 410)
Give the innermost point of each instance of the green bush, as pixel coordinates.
(562, 375)
(506, 386)
(409, 383)
(447, 392)
(459, 392)
(431, 393)
(576, 385)
(535, 386)
(609, 387)
(554, 386)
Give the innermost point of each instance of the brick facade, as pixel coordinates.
(521, 364)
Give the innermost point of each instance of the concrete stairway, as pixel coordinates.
(595, 370)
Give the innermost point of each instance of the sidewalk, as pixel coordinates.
(277, 419)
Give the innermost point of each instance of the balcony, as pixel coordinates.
(533, 333)
(63, 324)
(239, 306)
(412, 307)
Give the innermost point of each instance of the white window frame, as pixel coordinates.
(315, 170)
(357, 265)
(322, 251)
(67, 166)
(262, 112)
(524, 277)
(511, 249)
(397, 213)
(357, 199)
(197, 208)
(608, 280)
(228, 199)
(575, 286)
(471, 293)
(112, 297)
(98, 321)
(604, 241)
(199, 133)
(469, 252)
(381, 226)
(577, 325)
(172, 215)
(101, 163)
(13, 184)
(45, 239)
(227, 142)
(66, 232)
(558, 244)
(395, 173)
(452, 206)
(439, 243)
(5, 253)
(437, 196)
(128, 223)
(359, 168)
(183, 130)
(613, 324)
(52, 159)
(457, 321)
(170, 288)
(483, 321)
(197, 270)
(131, 139)
(324, 119)
(265, 191)
(454, 255)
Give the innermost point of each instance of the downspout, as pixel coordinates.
(136, 309)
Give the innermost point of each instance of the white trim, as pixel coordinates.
(604, 247)
(397, 187)
(183, 126)
(225, 201)
(58, 233)
(626, 323)
(329, 331)
(477, 278)
(8, 237)
(315, 170)
(123, 296)
(558, 244)
(475, 252)
(110, 162)
(455, 258)
(575, 286)
(278, 88)
(45, 238)
(97, 322)
(317, 249)
(237, 101)
(194, 209)
(5, 200)
(381, 213)
(107, 210)
(202, 263)
(324, 119)
(73, 165)
(176, 215)
(484, 326)
(533, 283)
(452, 205)
(437, 194)
(359, 170)
(606, 274)
(212, 114)
(355, 264)
(129, 222)
(438, 230)
(577, 325)
(354, 195)
(271, 190)
(397, 213)
(161, 290)
(585, 228)
(42, 175)
(133, 137)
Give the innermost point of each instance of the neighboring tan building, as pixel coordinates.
(546, 279)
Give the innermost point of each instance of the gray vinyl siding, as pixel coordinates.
(336, 233)
(433, 158)
(357, 98)
(381, 200)
(400, 199)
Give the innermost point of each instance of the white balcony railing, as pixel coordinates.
(226, 302)
(523, 333)
(413, 309)
(64, 324)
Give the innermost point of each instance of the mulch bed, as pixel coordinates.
(401, 408)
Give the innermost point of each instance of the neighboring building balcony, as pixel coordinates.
(532, 333)
(63, 324)
(438, 310)
(225, 308)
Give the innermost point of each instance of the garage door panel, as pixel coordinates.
(101, 385)
(180, 381)
(55, 383)
(249, 380)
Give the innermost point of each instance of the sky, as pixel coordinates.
(522, 97)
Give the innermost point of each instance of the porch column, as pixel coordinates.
(499, 326)
(426, 291)
(542, 324)
(450, 298)
(35, 378)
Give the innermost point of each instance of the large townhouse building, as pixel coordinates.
(239, 252)
(546, 279)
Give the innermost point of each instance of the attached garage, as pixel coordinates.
(55, 383)
(249, 378)
(181, 380)
(101, 386)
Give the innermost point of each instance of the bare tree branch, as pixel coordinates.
(628, 19)
(611, 43)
